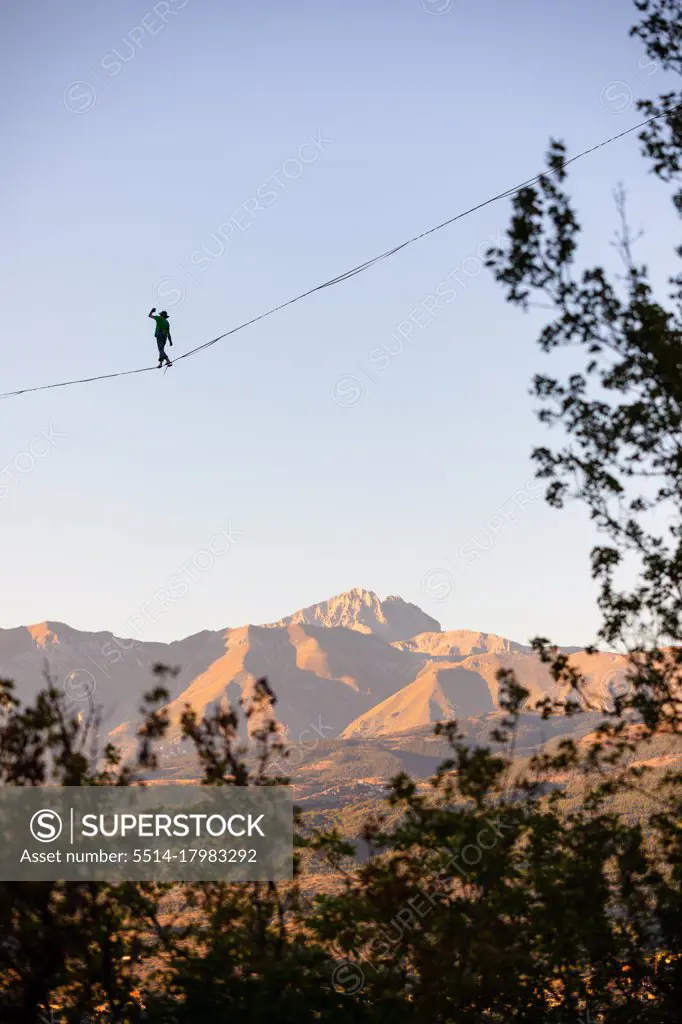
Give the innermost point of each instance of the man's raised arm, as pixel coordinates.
(151, 312)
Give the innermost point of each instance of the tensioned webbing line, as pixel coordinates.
(349, 273)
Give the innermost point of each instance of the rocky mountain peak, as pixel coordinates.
(363, 610)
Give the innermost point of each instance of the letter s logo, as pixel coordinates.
(46, 826)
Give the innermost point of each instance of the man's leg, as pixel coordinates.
(161, 344)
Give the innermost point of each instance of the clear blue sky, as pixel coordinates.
(117, 172)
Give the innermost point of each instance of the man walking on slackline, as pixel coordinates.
(162, 334)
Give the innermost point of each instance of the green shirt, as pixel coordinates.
(162, 325)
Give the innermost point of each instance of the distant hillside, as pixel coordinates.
(354, 667)
(452, 686)
(460, 643)
(323, 676)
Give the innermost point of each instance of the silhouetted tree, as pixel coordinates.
(71, 946)
(491, 900)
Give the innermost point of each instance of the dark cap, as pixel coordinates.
(163, 313)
